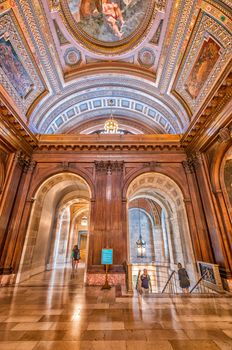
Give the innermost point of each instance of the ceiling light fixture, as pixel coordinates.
(111, 125)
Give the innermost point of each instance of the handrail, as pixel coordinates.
(173, 272)
(200, 279)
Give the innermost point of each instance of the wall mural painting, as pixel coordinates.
(108, 20)
(203, 66)
(13, 68)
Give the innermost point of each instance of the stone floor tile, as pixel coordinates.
(36, 326)
(194, 345)
(208, 334)
(10, 335)
(18, 345)
(23, 319)
(142, 325)
(144, 345)
(42, 335)
(228, 332)
(222, 345)
(165, 334)
(58, 345)
(100, 345)
(105, 326)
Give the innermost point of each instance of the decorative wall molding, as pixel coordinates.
(25, 162)
(109, 166)
(109, 143)
(224, 135)
(193, 162)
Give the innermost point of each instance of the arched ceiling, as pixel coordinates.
(61, 65)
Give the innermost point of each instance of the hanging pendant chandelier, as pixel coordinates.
(111, 126)
(141, 244)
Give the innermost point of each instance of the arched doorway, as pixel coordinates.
(158, 231)
(60, 211)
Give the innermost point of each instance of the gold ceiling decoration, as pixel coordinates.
(116, 32)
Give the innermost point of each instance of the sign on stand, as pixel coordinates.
(107, 259)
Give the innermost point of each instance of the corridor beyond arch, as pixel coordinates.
(169, 241)
(59, 205)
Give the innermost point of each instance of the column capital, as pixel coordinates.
(224, 135)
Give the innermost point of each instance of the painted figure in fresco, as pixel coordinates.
(87, 8)
(113, 14)
(13, 68)
(183, 278)
(203, 67)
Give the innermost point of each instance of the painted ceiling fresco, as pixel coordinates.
(62, 61)
(108, 20)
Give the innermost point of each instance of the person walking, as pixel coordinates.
(183, 278)
(145, 282)
(75, 257)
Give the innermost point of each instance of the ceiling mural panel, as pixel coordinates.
(208, 53)
(159, 60)
(19, 74)
(109, 23)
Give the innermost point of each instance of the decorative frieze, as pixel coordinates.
(152, 165)
(109, 166)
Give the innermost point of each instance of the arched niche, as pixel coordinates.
(172, 241)
(49, 224)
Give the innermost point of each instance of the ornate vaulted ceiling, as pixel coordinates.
(65, 65)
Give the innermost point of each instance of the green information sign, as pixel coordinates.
(107, 257)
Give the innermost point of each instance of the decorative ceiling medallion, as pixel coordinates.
(146, 57)
(108, 25)
(72, 56)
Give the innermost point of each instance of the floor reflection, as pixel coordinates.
(54, 310)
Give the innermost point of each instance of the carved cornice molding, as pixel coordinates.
(109, 166)
(17, 127)
(110, 143)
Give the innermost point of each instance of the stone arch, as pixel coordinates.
(168, 194)
(42, 178)
(147, 170)
(44, 220)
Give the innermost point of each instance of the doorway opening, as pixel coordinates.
(158, 231)
(59, 220)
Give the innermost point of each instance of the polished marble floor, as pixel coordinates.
(54, 310)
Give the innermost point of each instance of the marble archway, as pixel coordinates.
(172, 241)
(48, 234)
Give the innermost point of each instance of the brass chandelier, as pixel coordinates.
(111, 125)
